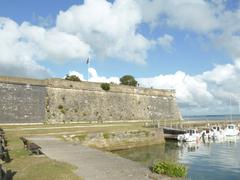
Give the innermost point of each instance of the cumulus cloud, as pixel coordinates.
(22, 47)
(109, 28)
(220, 74)
(206, 93)
(94, 77)
(190, 90)
(16, 55)
(94, 28)
(54, 44)
(197, 15)
(166, 42)
(208, 18)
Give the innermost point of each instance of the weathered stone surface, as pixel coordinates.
(118, 140)
(57, 100)
(21, 103)
(98, 105)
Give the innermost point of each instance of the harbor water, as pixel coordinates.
(205, 161)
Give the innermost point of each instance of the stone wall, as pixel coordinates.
(22, 103)
(118, 140)
(68, 101)
(57, 100)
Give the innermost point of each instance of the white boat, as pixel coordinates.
(231, 130)
(180, 137)
(191, 135)
(207, 134)
(218, 133)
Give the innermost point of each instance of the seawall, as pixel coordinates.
(25, 100)
(118, 140)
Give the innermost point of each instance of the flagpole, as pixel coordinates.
(88, 63)
(88, 72)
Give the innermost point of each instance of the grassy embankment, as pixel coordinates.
(40, 167)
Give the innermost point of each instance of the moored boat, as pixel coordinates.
(231, 130)
(218, 133)
(207, 134)
(191, 135)
(172, 133)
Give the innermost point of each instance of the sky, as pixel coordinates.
(192, 46)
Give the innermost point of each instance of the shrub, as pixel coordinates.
(105, 86)
(72, 78)
(60, 107)
(63, 111)
(106, 135)
(170, 169)
(128, 80)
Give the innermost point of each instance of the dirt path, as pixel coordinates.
(92, 164)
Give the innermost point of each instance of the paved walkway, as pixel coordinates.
(92, 164)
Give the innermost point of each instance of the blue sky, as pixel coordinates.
(190, 46)
(188, 55)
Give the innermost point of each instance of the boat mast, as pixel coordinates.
(231, 108)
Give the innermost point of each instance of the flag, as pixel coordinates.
(88, 60)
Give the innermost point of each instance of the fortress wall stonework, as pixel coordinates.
(21, 103)
(57, 100)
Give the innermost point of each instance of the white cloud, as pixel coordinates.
(22, 47)
(190, 90)
(109, 28)
(211, 19)
(197, 15)
(94, 77)
(55, 45)
(16, 55)
(166, 42)
(220, 74)
(206, 93)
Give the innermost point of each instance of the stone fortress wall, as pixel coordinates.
(21, 101)
(25, 100)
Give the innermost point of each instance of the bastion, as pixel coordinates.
(24, 100)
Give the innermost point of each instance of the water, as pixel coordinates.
(213, 117)
(209, 161)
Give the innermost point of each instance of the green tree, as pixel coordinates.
(72, 78)
(128, 80)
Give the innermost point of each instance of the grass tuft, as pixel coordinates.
(170, 169)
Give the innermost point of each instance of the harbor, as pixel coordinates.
(205, 160)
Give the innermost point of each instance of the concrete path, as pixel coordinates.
(92, 164)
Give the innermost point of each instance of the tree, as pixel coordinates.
(72, 78)
(128, 80)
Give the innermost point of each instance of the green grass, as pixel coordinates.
(41, 168)
(170, 169)
(28, 166)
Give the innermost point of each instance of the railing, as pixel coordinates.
(183, 124)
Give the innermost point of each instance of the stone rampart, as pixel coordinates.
(22, 103)
(57, 100)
